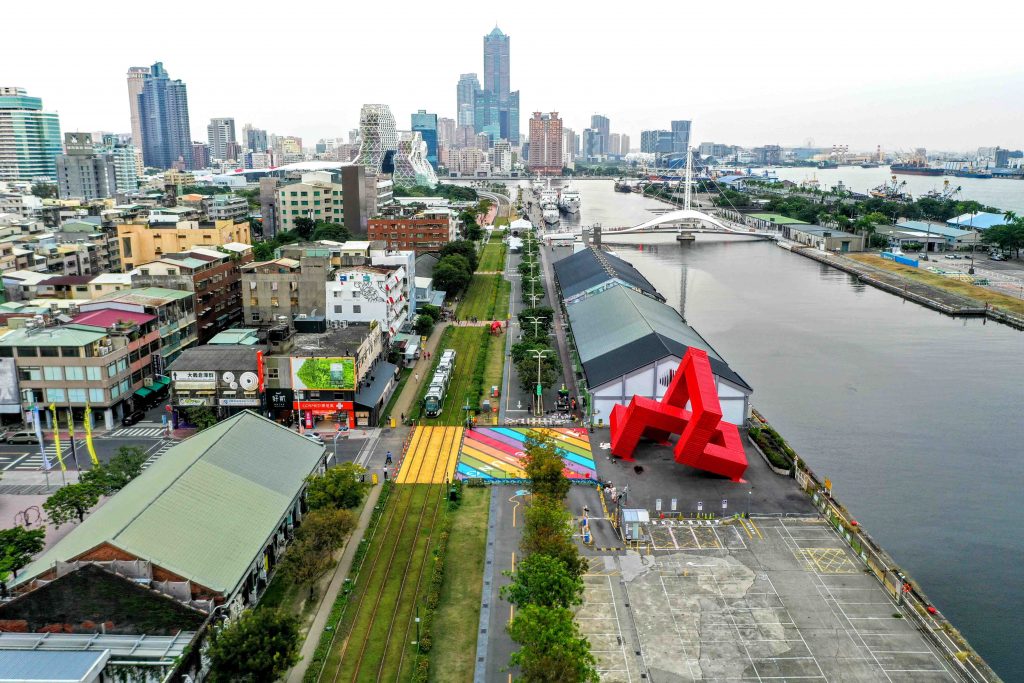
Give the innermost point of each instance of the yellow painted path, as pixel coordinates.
(432, 456)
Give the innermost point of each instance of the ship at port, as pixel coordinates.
(622, 185)
(917, 165)
(894, 191)
(569, 199)
(548, 199)
(970, 172)
(827, 164)
(869, 164)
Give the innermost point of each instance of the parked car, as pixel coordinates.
(955, 257)
(131, 418)
(21, 437)
(997, 257)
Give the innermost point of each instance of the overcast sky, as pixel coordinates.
(896, 73)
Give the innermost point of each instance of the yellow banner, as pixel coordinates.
(88, 435)
(56, 437)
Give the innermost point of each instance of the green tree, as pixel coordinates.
(331, 231)
(110, 478)
(310, 555)
(200, 416)
(548, 531)
(339, 487)
(17, 546)
(552, 650)
(544, 467)
(526, 364)
(543, 580)
(465, 248)
(45, 190)
(71, 502)
(1009, 236)
(424, 325)
(258, 647)
(264, 251)
(304, 226)
(451, 276)
(304, 564)
(545, 314)
(433, 311)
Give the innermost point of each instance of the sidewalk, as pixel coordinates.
(422, 366)
(323, 609)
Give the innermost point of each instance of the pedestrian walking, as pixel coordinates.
(385, 474)
(416, 377)
(387, 458)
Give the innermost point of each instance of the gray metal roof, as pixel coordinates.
(217, 357)
(135, 647)
(619, 330)
(377, 379)
(591, 267)
(28, 666)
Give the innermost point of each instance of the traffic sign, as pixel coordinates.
(700, 505)
(657, 504)
(725, 503)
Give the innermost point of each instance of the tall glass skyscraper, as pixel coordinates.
(29, 137)
(497, 83)
(680, 137)
(465, 99)
(163, 115)
(426, 125)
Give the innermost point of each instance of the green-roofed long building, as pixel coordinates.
(206, 523)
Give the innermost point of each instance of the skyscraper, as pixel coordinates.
(465, 99)
(600, 124)
(497, 83)
(445, 132)
(220, 133)
(680, 137)
(163, 112)
(570, 146)
(255, 138)
(379, 138)
(82, 173)
(29, 137)
(136, 79)
(545, 144)
(426, 125)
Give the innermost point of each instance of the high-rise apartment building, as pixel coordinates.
(445, 132)
(601, 124)
(163, 112)
(465, 99)
(379, 138)
(656, 141)
(546, 144)
(426, 125)
(29, 137)
(200, 155)
(82, 173)
(220, 133)
(570, 146)
(255, 138)
(680, 137)
(497, 82)
(125, 167)
(624, 144)
(591, 144)
(136, 80)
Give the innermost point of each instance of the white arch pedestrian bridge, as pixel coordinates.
(690, 220)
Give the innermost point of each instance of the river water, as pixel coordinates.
(915, 416)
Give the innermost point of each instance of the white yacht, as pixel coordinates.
(551, 215)
(569, 199)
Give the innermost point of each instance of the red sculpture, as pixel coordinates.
(705, 442)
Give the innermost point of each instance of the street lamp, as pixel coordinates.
(536, 320)
(539, 400)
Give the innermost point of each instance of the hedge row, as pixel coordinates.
(774, 446)
(421, 671)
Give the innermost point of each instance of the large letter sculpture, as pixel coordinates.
(705, 442)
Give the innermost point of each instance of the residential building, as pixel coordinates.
(200, 155)
(411, 165)
(368, 293)
(680, 136)
(600, 124)
(126, 172)
(255, 138)
(82, 173)
(465, 99)
(25, 206)
(136, 82)
(224, 377)
(227, 207)
(624, 144)
(108, 283)
(501, 158)
(106, 252)
(445, 134)
(378, 138)
(95, 360)
(591, 145)
(282, 289)
(414, 228)
(143, 242)
(545, 144)
(615, 145)
(268, 205)
(570, 146)
(349, 394)
(769, 155)
(426, 125)
(220, 133)
(163, 113)
(467, 162)
(656, 141)
(29, 137)
(213, 276)
(174, 310)
(317, 196)
(207, 524)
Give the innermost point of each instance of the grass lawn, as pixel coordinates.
(976, 292)
(492, 259)
(470, 345)
(454, 654)
(495, 365)
(479, 298)
(500, 221)
(501, 301)
(373, 635)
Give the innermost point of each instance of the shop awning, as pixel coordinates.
(143, 392)
(161, 382)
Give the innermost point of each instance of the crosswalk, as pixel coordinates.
(32, 459)
(138, 432)
(161, 449)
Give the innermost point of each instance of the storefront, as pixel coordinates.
(325, 416)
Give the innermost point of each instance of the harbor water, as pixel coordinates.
(915, 416)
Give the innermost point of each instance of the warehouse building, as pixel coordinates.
(591, 270)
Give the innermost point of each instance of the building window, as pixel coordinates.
(111, 370)
(53, 395)
(53, 373)
(96, 396)
(30, 374)
(76, 395)
(114, 392)
(339, 309)
(272, 373)
(124, 386)
(49, 351)
(273, 301)
(255, 317)
(74, 374)
(357, 309)
(92, 373)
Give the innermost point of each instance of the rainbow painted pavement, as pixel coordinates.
(495, 453)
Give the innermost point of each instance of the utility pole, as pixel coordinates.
(539, 394)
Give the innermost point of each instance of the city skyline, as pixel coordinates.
(900, 95)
